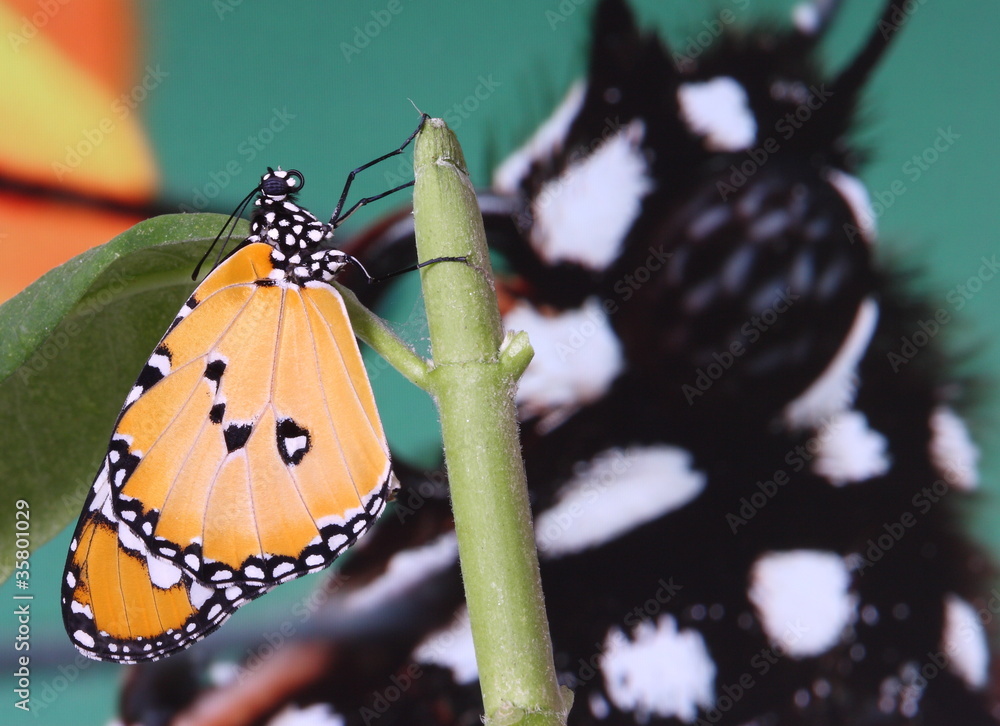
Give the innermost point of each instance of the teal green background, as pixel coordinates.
(231, 64)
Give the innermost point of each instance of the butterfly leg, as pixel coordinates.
(336, 218)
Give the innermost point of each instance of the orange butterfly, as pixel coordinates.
(249, 451)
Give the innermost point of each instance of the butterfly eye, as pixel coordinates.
(273, 185)
(276, 186)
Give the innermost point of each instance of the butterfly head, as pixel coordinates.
(279, 184)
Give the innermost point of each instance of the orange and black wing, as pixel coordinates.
(249, 452)
(124, 604)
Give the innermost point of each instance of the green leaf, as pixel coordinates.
(71, 346)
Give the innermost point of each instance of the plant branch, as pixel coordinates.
(473, 379)
(373, 330)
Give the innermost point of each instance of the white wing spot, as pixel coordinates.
(451, 647)
(546, 141)
(617, 491)
(336, 542)
(134, 395)
(660, 671)
(584, 214)
(160, 362)
(318, 714)
(254, 572)
(953, 451)
(802, 599)
(964, 641)
(577, 357)
(199, 594)
(404, 570)
(806, 18)
(294, 444)
(718, 110)
(599, 706)
(849, 450)
(130, 540)
(162, 573)
(82, 609)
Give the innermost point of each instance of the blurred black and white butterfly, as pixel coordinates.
(745, 512)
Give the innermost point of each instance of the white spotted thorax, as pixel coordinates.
(294, 232)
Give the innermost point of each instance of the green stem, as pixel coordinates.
(473, 379)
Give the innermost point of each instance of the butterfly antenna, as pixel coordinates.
(848, 84)
(234, 220)
(357, 263)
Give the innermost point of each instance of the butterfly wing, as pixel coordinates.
(122, 603)
(249, 452)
